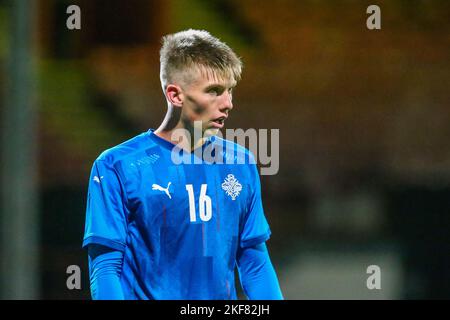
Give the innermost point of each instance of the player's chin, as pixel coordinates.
(211, 131)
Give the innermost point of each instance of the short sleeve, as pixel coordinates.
(106, 213)
(255, 226)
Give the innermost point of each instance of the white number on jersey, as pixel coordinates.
(204, 204)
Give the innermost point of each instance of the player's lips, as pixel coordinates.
(219, 122)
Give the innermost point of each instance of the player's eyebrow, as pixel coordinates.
(220, 86)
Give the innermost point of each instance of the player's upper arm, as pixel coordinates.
(106, 210)
(255, 227)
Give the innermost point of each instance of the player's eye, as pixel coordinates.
(215, 91)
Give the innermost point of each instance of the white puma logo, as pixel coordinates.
(96, 179)
(166, 190)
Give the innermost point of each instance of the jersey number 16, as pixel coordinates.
(204, 204)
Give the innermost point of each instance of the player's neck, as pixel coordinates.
(174, 130)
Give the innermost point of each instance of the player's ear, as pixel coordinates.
(174, 95)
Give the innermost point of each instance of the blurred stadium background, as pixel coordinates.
(364, 119)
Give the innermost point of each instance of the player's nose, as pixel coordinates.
(227, 101)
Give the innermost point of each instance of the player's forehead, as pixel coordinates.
(205, 76)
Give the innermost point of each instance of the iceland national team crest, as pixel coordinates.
(231, 186)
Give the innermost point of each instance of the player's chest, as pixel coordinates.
(190, 194)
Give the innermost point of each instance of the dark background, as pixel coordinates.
(364, 119)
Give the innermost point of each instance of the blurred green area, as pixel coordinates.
(67, 109)
(4, 21)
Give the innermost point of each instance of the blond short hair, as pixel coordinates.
(196, 50)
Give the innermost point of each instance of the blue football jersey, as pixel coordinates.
(178, 223)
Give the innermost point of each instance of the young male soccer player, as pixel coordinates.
(156, 229)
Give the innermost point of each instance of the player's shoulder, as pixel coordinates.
(125, 149)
